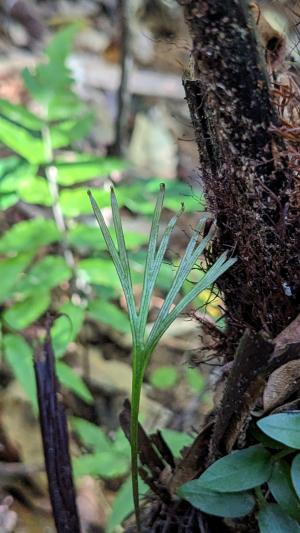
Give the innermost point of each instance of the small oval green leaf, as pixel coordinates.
(295, 474)
(29, 235)
(19, 356)
(86, 168)
(238, 471)
(10, 269)
(229, 505)
(47, 273)
(164, 377)
(264, 439)
(176, 440)
(35, 190)
(195, 380)
(107, 465)
(100, 272)
(75, 202)
(110, 314)
(91, 435)
(272, 519)
(73, 381)
(24, 313)
(284, 427)
(281, 487)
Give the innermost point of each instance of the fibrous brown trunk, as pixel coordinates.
(249, 185)
(244, 167)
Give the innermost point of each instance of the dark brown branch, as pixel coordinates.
(256, 358)
(124, 97)
(194, 459)
(55, 441)
(243, 387)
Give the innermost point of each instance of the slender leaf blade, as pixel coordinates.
(160, 326)
(149, 275)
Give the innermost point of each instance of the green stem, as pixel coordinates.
(260, 497)
(51, 175)
(282, 453)
(137, 380)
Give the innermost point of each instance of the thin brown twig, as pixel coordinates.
(124, 96)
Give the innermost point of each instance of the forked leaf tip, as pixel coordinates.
(113, 196)
(233, 260)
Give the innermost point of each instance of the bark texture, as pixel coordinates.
(244, 167)
(250, 188)
(53, 423)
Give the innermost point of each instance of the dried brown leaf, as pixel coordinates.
(281, 384)
(289, 335)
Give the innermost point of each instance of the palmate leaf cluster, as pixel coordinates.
(143, 345)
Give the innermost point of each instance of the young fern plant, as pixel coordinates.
(143, 346)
